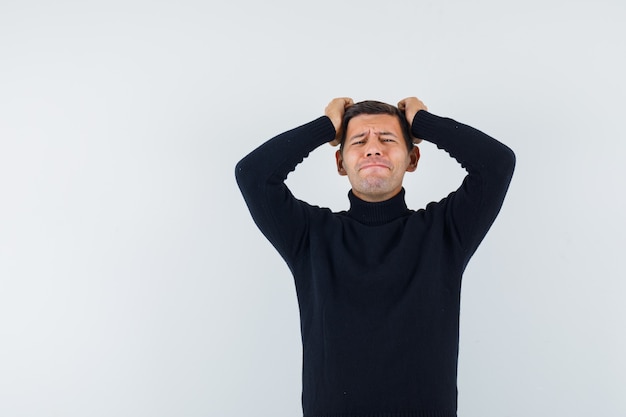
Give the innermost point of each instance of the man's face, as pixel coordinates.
(375, 156)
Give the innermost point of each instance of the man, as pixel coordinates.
(378, 286)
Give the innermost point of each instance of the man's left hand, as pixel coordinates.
(410, 106)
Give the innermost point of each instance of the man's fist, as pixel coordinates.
(410, 106)
(335, 110)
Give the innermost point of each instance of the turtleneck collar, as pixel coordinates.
(373, 214)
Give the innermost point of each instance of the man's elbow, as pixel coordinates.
(243, 174)
(507, 161)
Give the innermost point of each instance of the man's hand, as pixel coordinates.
(335, 110)
(410, 106)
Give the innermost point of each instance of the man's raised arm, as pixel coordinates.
(262, 173)
(489, 164)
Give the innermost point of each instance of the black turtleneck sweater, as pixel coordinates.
(378, 286)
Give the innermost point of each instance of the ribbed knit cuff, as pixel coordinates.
(323, 129)
(426, 125)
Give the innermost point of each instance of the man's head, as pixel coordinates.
(376, 107)
(376, 150)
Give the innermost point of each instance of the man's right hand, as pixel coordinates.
(335, 110)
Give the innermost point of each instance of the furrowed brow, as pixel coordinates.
(358, 135)
(363, 134)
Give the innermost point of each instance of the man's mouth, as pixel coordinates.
(374, 165)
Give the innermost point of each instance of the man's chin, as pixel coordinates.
(374, 190)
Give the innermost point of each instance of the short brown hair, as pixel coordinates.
(376, 107)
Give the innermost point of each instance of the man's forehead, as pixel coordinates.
(376, 122)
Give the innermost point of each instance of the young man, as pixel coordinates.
(378, 285)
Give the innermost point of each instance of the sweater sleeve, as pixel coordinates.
(472, 209)
(261, 178)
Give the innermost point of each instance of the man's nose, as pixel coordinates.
(373, 147)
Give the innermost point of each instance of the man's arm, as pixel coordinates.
(261, 177)
(474, 206)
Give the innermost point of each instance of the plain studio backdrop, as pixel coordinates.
(133, 281)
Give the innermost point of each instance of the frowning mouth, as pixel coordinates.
(374, 165)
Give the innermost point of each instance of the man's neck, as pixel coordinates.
(377, 213)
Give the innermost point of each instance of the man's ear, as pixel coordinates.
(414, 157)
(339, 157)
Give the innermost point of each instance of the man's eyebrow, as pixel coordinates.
(358, 135)
(383, 133)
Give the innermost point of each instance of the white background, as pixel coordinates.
(133, 281)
